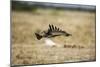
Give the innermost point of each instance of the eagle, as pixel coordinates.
(51, 32)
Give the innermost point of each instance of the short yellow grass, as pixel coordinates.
(26, 49)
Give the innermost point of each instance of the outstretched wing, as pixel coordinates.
(53, 29)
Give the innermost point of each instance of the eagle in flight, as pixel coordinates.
(52, 31)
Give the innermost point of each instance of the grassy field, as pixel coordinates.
(26, 49)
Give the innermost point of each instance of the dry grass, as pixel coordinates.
(26, 49)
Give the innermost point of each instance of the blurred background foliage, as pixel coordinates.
(33, 6)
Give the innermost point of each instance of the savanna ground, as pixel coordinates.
(26, 49)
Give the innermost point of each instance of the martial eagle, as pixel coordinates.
(51, 32)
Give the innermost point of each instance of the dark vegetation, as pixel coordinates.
(33, 6)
